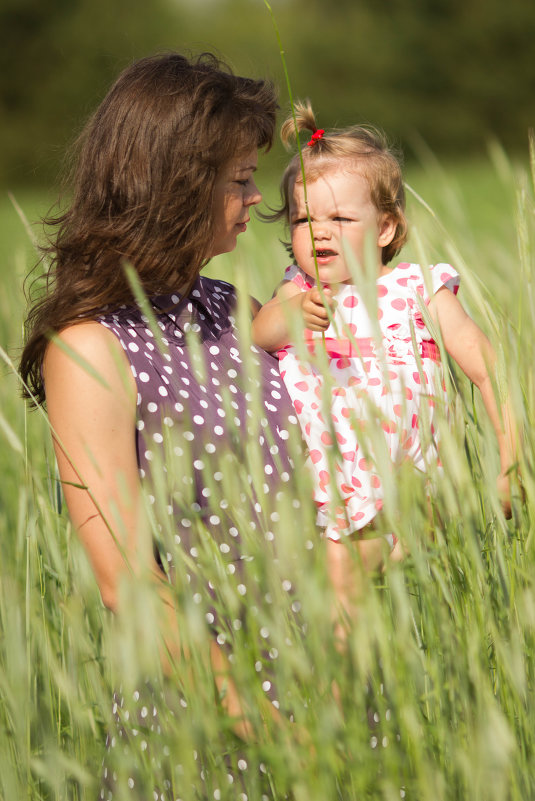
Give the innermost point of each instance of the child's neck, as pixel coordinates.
(384, 269)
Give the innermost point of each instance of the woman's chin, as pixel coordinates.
(224, 247)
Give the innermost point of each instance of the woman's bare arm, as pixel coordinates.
(93, 420)
(91, 407)
(91, 401)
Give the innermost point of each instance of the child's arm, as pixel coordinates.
(271, 327)
(470, 348)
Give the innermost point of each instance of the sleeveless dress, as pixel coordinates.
(383, 371)
(207, 412)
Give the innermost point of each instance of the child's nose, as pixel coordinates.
(321, 231)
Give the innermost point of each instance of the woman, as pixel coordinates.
(164, 181)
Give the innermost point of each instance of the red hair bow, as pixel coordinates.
(316, 136)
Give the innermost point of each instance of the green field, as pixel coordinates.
(443, 648)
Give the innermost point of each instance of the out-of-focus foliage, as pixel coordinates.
(449, 72)
(56, 62)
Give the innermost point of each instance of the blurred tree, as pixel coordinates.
(56, 61)
(451, 72)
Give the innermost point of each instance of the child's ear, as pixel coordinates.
(387, 230)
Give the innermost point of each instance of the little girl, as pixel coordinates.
(384, 365)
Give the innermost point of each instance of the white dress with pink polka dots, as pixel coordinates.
(375, 376)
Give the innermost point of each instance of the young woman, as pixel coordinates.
(164, 181)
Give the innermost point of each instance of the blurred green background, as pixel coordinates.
(451, 73)
(453, 82)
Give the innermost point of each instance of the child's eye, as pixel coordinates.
(301, 221)
(342, 219)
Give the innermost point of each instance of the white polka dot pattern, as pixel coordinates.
(199, 393)
(170, 392)
(210, 409)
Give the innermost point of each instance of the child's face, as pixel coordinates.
(342, 216)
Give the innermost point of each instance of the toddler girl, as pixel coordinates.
(384, 371)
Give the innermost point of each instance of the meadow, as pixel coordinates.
(442, 651)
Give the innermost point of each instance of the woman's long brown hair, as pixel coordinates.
(142, 190)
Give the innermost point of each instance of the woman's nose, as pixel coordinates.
(253, 196)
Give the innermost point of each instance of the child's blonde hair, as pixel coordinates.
(375, 159)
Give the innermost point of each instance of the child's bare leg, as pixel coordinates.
(398, 552)
(226, 687)
(349, 564)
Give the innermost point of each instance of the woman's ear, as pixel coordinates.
(387, 230)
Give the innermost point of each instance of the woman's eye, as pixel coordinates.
(243, 182)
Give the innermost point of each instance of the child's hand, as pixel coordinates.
(505, 482)
(504, 493)
(314, 312)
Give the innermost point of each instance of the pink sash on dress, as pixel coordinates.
(364, 347)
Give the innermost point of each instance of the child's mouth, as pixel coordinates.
(324, 254)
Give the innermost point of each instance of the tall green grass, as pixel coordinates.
(442, 650)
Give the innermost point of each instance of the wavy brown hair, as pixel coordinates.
(374, 158)
(142, 190)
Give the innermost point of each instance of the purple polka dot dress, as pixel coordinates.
(172, 390)
(197, 389)
(214, 426)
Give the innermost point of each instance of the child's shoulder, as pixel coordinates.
(425, 280)
(298, 276)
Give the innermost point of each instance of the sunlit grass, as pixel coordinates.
(442, 651)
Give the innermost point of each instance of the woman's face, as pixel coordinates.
(235, 192)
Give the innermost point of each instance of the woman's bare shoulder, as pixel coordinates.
(89, 340)
(87, 353)
(86, 337)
